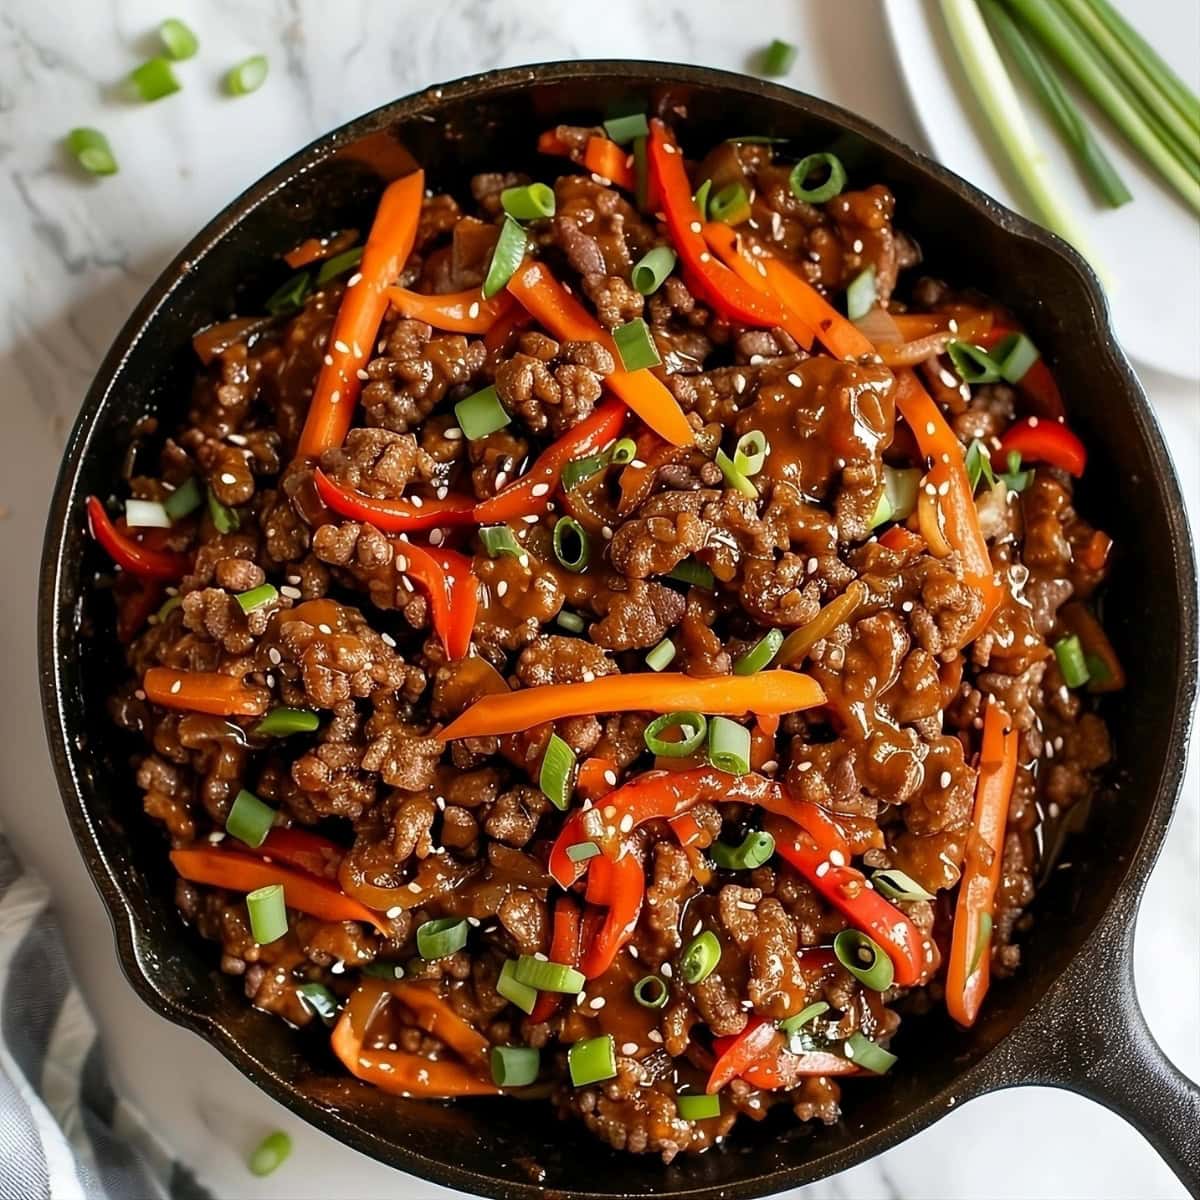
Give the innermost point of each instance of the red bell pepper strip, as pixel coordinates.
(565, 948)
(625, 889)
(596, 777)
(135, 608)
(204, 691)
(562, 869)
(757, 1041)
(455, 312)
(163, 565)
(393, 515)
(506, 327)
(605, 158)
(534, 490)
(301, 848)
(238, 872)
(1039, 440)
(552, 306)
(1037, 384)
(969, 968)
(902, 540)
(451, 586)
(776, 1067)
(361, 312)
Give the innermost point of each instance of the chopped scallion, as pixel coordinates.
(383, 969)
(1071, 661)
(760, 654)
(247, 76)
(528, 203)
(572, 546)
(900, 487)
(185, 499)
(514, 1066)
(548, 976)
(794, 1023)
(257, 597)
(778, 58)
(701, 957)
(751, 452)
(983, 933)
(339, 264)
(319, 1000)
(692, 573)
(690, 727)
(624, 130)
(500, 539)
(868, 1054)
(154, 79)
(506, 258)
(896, 885)
(973, 363)
(582, 851)
(557, 772)
(481, 413)
(865, 959)
(651, 270)
(225, 519)
(635, 345)
(734, 477)
(592, 1060)
(91, 150)
(146, 514)
(268, 913)
(282, 722)
(861, 295)
(570, 621)
(698, 1106)
(978, 463)
(513, 990)
(623, 451)
(731, 205)
(169, 605)
(441, 937)
(249, 819)
(661, 656)
(756, 848)
(270, 1154)
(651, 991)
(728, 746)
(832, 184)
(700, 199)
(579, 469)
(1014, 478)
(290, 295)
(179, 40)
(1014, 354)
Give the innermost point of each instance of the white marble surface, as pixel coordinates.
(76, 257)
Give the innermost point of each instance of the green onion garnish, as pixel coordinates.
(481, 413)
(700, 198)
(179, 40)
(579, 469)
(548, 976)
(592, 1060)
(896, 885)
(1014, 478)
(731, 205)
(978, 462)
(651, 270)
(249, 819)
(441, 937)
(623, 451)
(268, 913)
(835, 178)
(582, 851)
(865, 959)
(982, 933)
(146, 514)
(691, 726)
(778, 58)
(1071, 661)
(257, 597)
(169, 605)
(185, 499)
(500, 539)
(290, 295)
(698, 1107)
(882, 511)
(651, 991)
(225, 519)
(751, 452)
(528, 203)
(900, 487)
(339, 264)
(734, 477)
(572, 546)
(760, 654)
(513, 990)
(570, 621)
(692, 573)
(506, 258)
(728, 746)
(557, 772)
(382, 969)
(154, 79)
(248, 76)
(973, 363)
(270, 1153)
(860, 295)
(793, 1024)
(661, 656)
(756, 848)
(868, 1054)
(514, 1066)
(1014, 355)
(283, 722)
(624, 130)
(319, 1000)
(91, 150)
(700, 958)
(635, 345)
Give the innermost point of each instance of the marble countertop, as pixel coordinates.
(78, 255)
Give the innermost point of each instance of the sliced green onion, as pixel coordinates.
(1014, 478)
(500, 539)
(861, 294)
(760, 654)
(900, 488)
(651, 991)
(265, 593)
(692, 728)
(146, 514)
(282, 722)
(635, 345)
(835, 178)
(270, 1153)
(179, 40)
(700, 198)
(570, 621)
(693, 573)
(248, 76)
(882, 511)
(185, 499)
(513, 990)
(731, 205)
(548, 976)
(624, 130)
(154, 79)
(225, 519)
(339, 264)
(793, 1024)
(481, 413)
(579, 469)
(973, 363)
(868, 1054)
(1014, 354)
(506, 258)
(756, 848)
(592, 1060)
(651, 270)
(528, 203)
(978, 462)
(697, 1106)
(623, 451)
(290, 295)
(865, 959)
(751, 452)
(169, 605)
(734, 477)
(441, 937)
(661, 656)
(381, 969)
(514, 1066)
(582, 851)
(319, 1000)
(91, 150)
(896, 885)
(982, 933)
(268, 913)
(1071, 661)
(572, 546)
(557, 773)
(249, 819)
(700, 958)
(778, 58)
(728, 746)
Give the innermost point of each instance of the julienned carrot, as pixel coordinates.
(767, 692)
(204, 691)
(352, 340)
(968, 971)
(455, 312)
(840, 337)
(552, 306)
(759, 1040)
(605, 158)
(435, 1016)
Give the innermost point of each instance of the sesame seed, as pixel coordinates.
(356, 350)
(655, 1037)
(666, 970)
(745, 905)
(626, 823)
(610, 777)
(417, 502)
(705, 256)
(531, 518)
(606, 532)
(338, 967)
(415, 888)
(770, 765)
(217, 836)
(453, 434)
(597, 1002)
(739, 384)
(335, 397)
(540, 489)
(794, 380)
(668, 148)
(907, 606)
(436, 537)
(292, 593)
(811, 565)
(362, 374)
(822, 870)
(695, 226)
(393, 912)
(588, 676)
(325, 628)
(804, 766)
(629, 1048)
(227, 478)
(502, 588)
(355, 278)
(341, 347)
(401, 563)
(930, 428)
(756, 360)
(176, 687)
(633, 951)
(945, 778)
(329, 359)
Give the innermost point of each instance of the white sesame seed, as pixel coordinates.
(401, 563)
(335, 397)
(695, 227)
(338, 967)
(393, 912)
(417, 502)
(610, 777)
(633, 951)
(329, 359)
(176, 687)
(629, 1048)
(341, 347)
(415, 888)
(745, 906)
(597, 1002)
(355, 278)
(606, 532)
(540, 489)
(795, 380)
(945, 778)
(362, 374)
(811, 565)
(217, 836)
(502, 588)
(325, 628)
(292, 593)
(609, 812)
(531, 518)
(453, 434)
(436, 537)
(655, 1037)
(588, 676)
(668, 148)
(705, 256)
(739, 384)
(822, 870)
(666, 970)
(626, 823)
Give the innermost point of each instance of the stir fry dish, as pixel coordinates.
(619, 639)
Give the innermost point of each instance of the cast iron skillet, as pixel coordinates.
(1070, 1017)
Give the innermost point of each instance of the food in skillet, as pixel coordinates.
(612, 639)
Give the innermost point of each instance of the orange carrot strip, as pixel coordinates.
(839, 336)
(607, 159)
(204, 691)
(455, 312)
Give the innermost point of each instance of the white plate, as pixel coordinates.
(1150, 248)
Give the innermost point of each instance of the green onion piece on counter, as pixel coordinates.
(760, 654)
(697, 1106)
(481, 413)
(651, 991)
(1014, 355)
(641, 174)
(500, 539)
(529, 202)
(861, 294)
(247, 76)
(506, 258)
(900, 487)
(792, 1025)
(973, 363)
(661, 656)
(339, 264)
(548, 976)
(270, 1154)
(978, 463)
(1071, 661)
(693, 573)
(865, 959)
(268, 913)
(90, 149)
(290, 295)
(700, 958)
(582, 851)
(169, 605)
(185, 499)
(572, 622)
(624, 130)
(513, 990)
(557, 772)
(756, 848)
(319, 1000)
(692, 728)
(635, 345)
(651, 270)
(257, 597)
(700, 198)
(385, 970)
(778, 58)
(514, 1066)
(982, 934)
(179, 40)
(623, 451)
(579, 469)
(592, 1060)
(146, 514)
(734, 477)
(441, 937)
(834, 181)
(731, 205)
(751, 452)
(154, 79)
(868, 1054)
(894, 884)
(226, 519)
(282, 722)
(728, 746)
(572, 546)
(1014, 478)
(249, 819)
